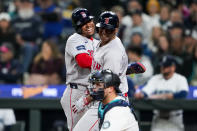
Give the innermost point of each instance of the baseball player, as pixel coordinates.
(113, 111)
(166, 85)
(109, 54)
(78, 58)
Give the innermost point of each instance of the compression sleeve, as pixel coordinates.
(84, 60)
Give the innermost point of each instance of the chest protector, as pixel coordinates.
(103, 109)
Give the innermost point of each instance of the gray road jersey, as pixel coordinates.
(77, 44)
(112, 56)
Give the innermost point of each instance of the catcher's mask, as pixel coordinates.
(108, 78)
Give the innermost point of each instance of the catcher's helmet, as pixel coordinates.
(80, 17)
(107, 77)
(108, 20)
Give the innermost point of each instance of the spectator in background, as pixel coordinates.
(182, 7)
(172, 3)
(191, 21)
(166, 85)
(163, 50)
(28, 28)
(176, 35)
(154, 39)
(153, 8)
(120, 12)
(52, 17)
(13, 8)
(48, 66)
(176, 17)
(135, 54)
(134, 5)
(10, 69)
(189, 41)
(137, 21)
(136, 39)
(7, 33)
(164, 17)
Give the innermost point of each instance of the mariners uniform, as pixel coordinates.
(77, 77)
(162, 120)
(117, 116)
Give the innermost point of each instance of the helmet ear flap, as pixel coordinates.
(79, 30)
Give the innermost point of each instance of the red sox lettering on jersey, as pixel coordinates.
(91, 52)
(96, 65)
(112, 56)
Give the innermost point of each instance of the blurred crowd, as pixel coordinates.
(33, 35)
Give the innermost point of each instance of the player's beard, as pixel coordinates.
(106, 37)
(166, 75)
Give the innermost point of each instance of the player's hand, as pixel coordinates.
(139, 95)
(136, 68)
(81, 104)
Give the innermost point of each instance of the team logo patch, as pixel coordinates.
(106, 20)
(83, 14)
(81, 47)
(106, 124)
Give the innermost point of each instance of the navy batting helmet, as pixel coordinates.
(80, 17)
(108, 20)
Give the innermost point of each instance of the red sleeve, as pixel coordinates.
(84, 60)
